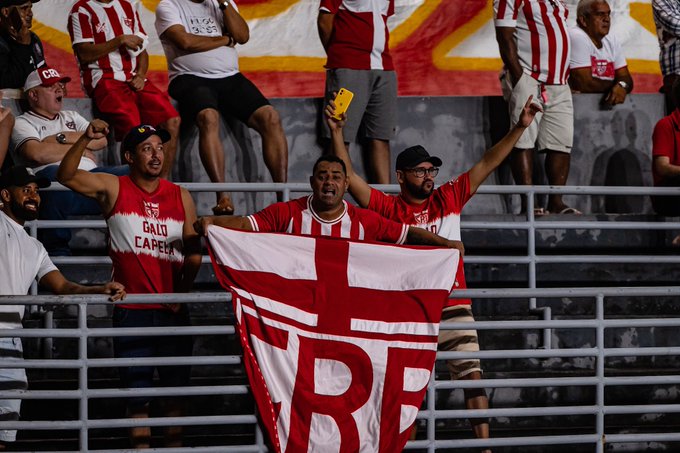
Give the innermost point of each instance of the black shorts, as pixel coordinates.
(231, 96)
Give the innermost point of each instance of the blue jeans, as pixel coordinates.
(61, 205)
(151, 346)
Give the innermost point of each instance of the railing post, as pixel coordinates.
(599, 312)
(431, 420)
(545, 312)
(82, 377)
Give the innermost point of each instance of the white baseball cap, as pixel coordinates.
(44, 76)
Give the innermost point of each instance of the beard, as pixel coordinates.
(21, 212)
(421, 191)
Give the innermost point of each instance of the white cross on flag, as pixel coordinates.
(339, 337)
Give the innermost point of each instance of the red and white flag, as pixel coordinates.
(339, 337)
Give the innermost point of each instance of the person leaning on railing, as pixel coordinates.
(23, 259)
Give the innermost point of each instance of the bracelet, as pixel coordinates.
(223, 5)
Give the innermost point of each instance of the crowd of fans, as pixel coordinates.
(544, 63)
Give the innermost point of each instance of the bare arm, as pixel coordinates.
(192, 244)
(508, 49)
(100, 186)
(189, 42)
(582, 80)
(664, 168)
(225, 221)
(58, 284)
(358, 187)
(88, 52)
(49, 150)
(495, 155)
(138, 80)
(617, 94)
(234, 25)
(324, 24)
(420, 236)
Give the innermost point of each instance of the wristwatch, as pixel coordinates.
(623, 84)
(223, 5)
(61, 138)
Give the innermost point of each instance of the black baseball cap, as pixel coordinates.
(415, 155)
(21, 176)
(8, 3)
(140, 133)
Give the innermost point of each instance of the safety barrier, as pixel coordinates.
(598, 436)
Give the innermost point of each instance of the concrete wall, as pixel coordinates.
(611, 146)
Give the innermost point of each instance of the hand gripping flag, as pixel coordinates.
(339, 337)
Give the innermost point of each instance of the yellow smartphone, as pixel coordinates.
(342, 100)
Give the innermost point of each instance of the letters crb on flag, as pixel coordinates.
(339, 337)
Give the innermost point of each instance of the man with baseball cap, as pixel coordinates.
(437, 210)
(41, 137)
(21, 50)
(154, 249)
(22, 260)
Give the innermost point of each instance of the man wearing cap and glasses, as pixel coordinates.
(20, 49)
(437, 210)
(22, 260)
(40, 139)
(154, 249)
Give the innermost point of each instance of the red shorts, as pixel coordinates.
(126, 108)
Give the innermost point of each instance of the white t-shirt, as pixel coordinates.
(203, 19)
(22, 259)
(32, 126)
(602, 62)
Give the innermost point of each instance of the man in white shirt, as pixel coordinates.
(22, 260)
(597, 64)
(40, 139)
(198, 38)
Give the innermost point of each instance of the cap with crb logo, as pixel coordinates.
(411, 157)
(138, 134)
(20, 176)
(44, 76)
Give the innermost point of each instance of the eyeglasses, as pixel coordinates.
(419, 172)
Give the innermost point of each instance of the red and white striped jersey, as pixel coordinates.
(298, 217)
(97, 22)
(145, 242)
(542, 36)
(440, 214)
(360, 38)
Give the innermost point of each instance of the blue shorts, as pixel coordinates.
(156, 346)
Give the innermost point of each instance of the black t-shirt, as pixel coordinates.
(17, 61)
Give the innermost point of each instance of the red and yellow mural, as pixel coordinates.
(440, 47)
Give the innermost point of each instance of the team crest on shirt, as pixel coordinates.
(128, 22)
(71, 125)
(151, 209)
(101, 27)
(421, 217)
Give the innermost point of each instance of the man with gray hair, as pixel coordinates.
(597, 64)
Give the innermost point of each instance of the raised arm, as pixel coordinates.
(101, 186)
(358, 187)
(495, 155)
(421, 236)
(225, 221)
(192, 244)
(58, 284)
(324, 24)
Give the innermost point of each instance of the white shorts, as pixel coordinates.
(551, 130)
(11, 379)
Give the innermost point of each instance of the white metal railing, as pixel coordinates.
(597, 436)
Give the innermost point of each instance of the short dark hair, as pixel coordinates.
(330, 158)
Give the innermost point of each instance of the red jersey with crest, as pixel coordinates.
(440, 214)
(145, 242)
(298, 217)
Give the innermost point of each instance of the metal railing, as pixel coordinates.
(598, 435)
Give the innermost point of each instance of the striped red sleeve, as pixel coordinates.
(80, 27)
